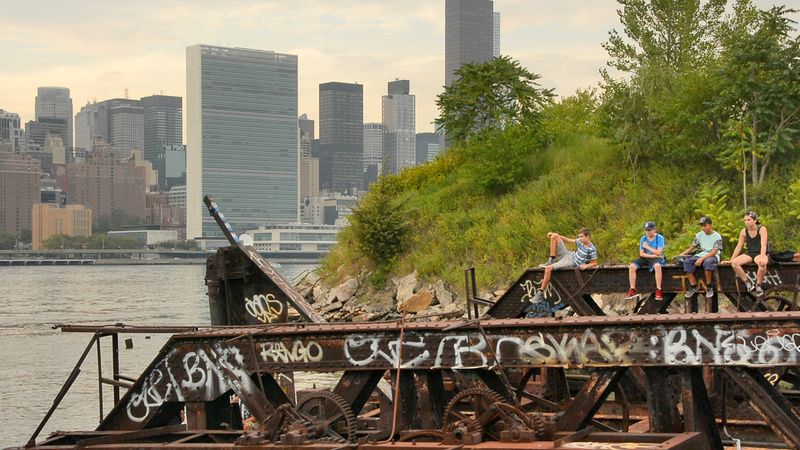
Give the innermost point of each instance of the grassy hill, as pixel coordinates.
(489, 203)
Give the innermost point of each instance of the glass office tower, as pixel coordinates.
(241, 120)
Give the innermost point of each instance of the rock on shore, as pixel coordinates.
(407, 296)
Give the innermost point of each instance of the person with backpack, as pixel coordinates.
(755, 241)
(651, 255)
(584, 257)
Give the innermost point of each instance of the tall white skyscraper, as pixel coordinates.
(399, 127)
(242, 137)
(85, 123)
(55, 103)
(373, 152)
(496, 35)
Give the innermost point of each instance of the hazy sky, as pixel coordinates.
(99, 49)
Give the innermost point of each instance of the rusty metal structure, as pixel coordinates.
(559, 374)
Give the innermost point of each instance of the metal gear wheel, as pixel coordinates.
(330, 415)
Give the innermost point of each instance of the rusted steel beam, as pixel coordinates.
(773, 407)
(433, 399)
(355, 387)
(698, 413)
(223, 440)
(567, 286)
(580, 412)
(125, 329)
(264, 298)
(661, 404)
(203, 365)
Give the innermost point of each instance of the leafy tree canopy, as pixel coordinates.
(490, 96)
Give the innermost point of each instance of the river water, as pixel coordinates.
(35, 359)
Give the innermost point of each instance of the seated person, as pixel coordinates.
(757, 247)
(651, 255)
(709, 244)
(584, 257)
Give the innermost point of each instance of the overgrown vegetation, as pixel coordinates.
(94, 242)
(701, 118)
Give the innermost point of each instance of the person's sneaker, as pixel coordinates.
(709, 292)
(538, 298)
(550, 261)
(751, 287)
(692, 291)
(659, 295)
(632, 295)
(759, 291)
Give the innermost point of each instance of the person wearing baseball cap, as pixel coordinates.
(705, 252)
(651, 255)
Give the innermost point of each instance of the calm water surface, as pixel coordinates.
(35, 359)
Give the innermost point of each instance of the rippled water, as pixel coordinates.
(36, 359)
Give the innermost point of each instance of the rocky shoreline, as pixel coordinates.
(354, 300)
(407, 297)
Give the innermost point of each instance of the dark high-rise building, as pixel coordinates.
(55, 103)
(36, 131)
(163, 128)
(341, 136)
(306, 126)
(125, 120)
(11, 130)
(427, 146)
(469, 34)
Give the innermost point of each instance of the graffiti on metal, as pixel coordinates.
(542, 308)
(197, 375)
(264, 308)
(298, 351)
(612, 445)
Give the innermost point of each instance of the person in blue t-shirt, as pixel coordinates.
(651, 254)
(708, 245)
(584, 257)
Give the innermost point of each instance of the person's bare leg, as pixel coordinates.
(548, 272)
(554, 245)
(762, 268)
(737, 264)
(659, 275)
(709, 278)
(692, 279)
(632, 275)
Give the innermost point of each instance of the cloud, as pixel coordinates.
(98, 49)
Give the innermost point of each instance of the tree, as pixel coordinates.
(665, 47)
(7, 241)
(490, 96)
(379, 225)
(668, 33)
(759, 104)
(117, 220)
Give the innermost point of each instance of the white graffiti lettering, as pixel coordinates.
(353, 343)
(155, 390)
(265, 308)
(299, 352)
(204, 375)
(772, 277)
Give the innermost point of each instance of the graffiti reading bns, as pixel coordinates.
(544, 308)
(264, 308)
(198, 374)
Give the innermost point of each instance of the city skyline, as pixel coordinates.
(344, 41)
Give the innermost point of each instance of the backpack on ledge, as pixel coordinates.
(785, 256)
